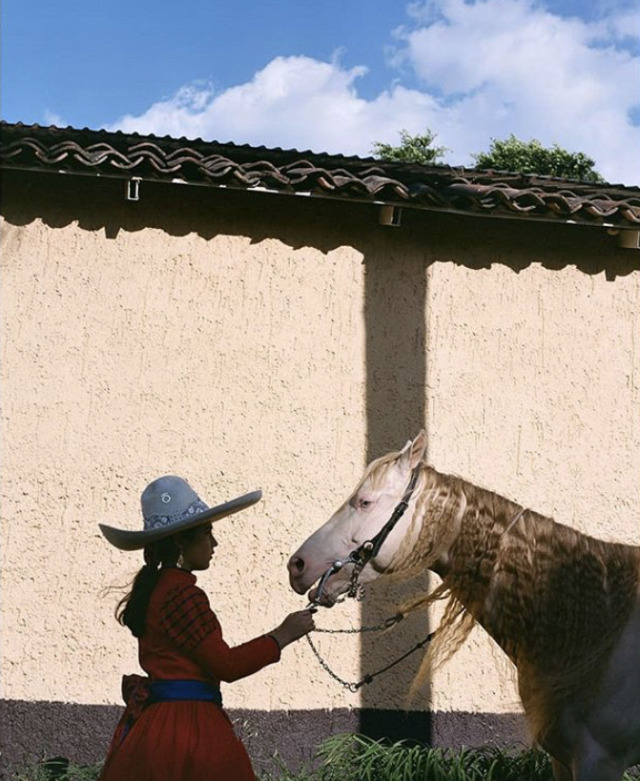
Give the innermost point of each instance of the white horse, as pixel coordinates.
(565, 607)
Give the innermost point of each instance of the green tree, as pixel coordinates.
(412, 149)
(530, 157)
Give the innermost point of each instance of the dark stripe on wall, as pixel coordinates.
(37, 730)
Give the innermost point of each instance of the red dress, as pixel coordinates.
(188, 740)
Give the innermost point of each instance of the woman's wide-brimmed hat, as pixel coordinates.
(169, 506)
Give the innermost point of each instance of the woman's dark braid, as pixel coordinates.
(131, 611)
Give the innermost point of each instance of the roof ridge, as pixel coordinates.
(439, 187)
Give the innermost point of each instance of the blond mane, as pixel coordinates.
(554, 599)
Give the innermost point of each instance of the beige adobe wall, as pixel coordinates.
(147, 355)
(230, 346)
(534, 392)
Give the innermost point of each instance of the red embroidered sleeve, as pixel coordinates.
(187, 617)
(231, 664)
(190, 623)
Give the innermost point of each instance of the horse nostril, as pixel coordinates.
(296, 565)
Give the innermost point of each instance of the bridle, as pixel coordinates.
(368, 550)
(360, 557)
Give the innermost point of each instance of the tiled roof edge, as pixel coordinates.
(436, 187)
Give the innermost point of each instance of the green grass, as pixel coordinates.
(352, 757)
(358, 758)
(58, 769)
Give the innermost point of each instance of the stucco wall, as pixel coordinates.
(535, 392)
(252, 341)
(152, 355)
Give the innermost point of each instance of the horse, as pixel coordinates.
(564, 606)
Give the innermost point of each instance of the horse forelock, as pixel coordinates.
(376, 471)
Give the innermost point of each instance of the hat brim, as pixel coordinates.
(128, 540)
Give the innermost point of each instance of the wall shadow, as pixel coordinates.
(395, 320)
(98, 203)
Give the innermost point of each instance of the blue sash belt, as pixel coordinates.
(138, 692)
(174, 691)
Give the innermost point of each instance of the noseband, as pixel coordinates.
(369, 549)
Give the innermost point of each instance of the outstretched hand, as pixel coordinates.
(295, 626)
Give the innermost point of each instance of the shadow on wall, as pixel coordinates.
(395, 307)
(475, 242)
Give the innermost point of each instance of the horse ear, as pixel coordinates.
(413, 452)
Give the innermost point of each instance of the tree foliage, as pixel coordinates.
(412, 149)
(530, 157)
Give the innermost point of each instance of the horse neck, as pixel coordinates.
(456, 531)
(477, 523)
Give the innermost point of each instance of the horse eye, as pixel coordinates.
(364, 503)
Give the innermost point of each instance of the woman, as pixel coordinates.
(174, 727)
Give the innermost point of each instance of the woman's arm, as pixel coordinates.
(190, 623)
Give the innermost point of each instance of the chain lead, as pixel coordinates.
(354, 686)
(386, 624)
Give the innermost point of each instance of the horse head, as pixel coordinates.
(359, 519)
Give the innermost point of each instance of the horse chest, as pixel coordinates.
(610, 727)
(615, 718)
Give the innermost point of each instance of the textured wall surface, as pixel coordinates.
(534, 392)
(155, 355)
(246, 341)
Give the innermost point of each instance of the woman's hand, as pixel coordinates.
(295, 626)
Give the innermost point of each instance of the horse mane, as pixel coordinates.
(554, 599)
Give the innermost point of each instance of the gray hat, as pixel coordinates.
(169, 506)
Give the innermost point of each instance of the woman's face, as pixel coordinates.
(198, 548)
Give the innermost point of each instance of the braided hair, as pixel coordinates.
(131, 610)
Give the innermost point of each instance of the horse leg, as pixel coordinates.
(593, 762)
(591, 769)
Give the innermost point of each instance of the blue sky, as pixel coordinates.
(335, 75)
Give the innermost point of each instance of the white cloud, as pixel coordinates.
(486, 69)
(510, 66)
(294, 102)
(51, 118)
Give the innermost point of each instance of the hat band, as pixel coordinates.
(159, 521)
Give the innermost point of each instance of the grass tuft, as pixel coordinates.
(57, 769)
(353, 757)
(358, 758)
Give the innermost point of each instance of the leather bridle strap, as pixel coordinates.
(370, 548)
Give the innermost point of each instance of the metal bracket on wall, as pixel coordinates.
(390, 215)
(629, 239)
(132, 188)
